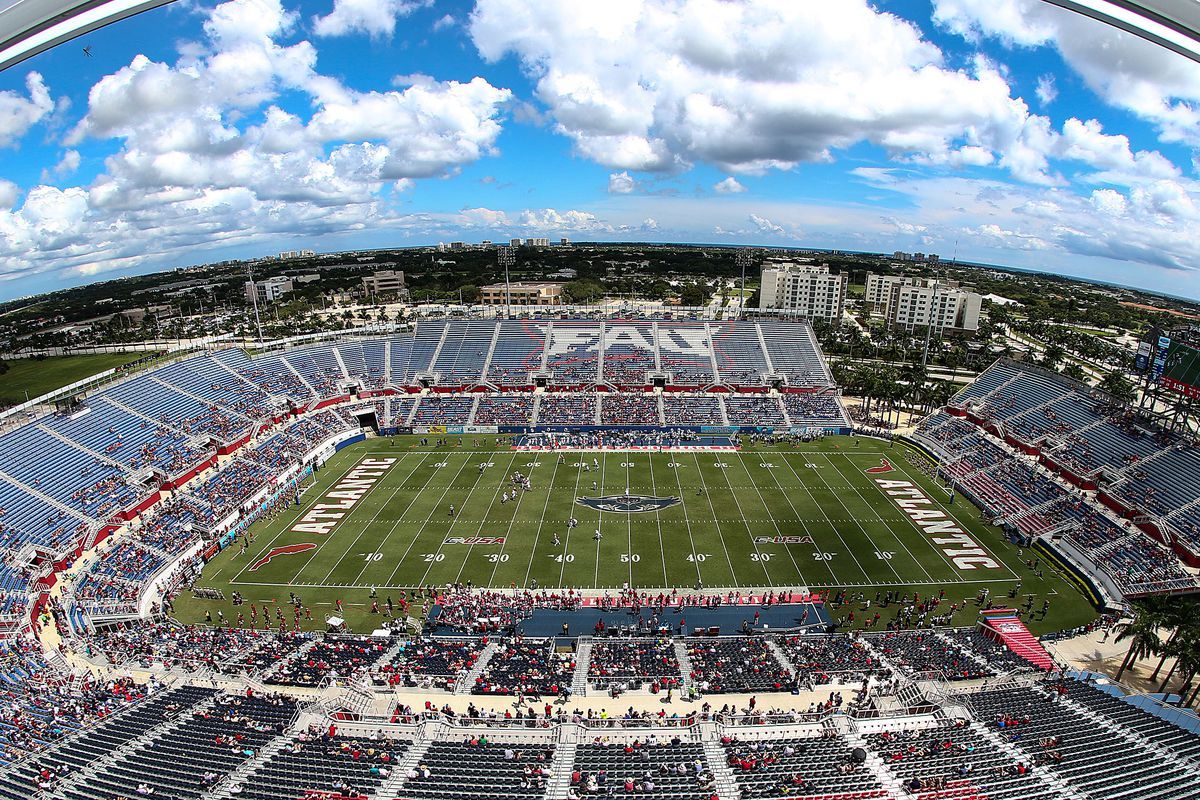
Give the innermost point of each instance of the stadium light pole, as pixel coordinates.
(743, 260)
(254, 299)
(506, 258)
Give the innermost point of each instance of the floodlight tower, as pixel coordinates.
(506, 258)
(744, 260)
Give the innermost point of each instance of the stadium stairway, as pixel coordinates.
(1045, 776)
(467, 681)
(231, 784)
(1017, 637)
(101, 457)
(82, 778)
(685, 665)
(390, 788)
(583, 658)
(890, 783)
(341, 362)
(564, 764)
(780, 656)
(714, 754)
(1164, 753)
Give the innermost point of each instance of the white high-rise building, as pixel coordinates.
(925, 303)
(878, 290)
(808, 290)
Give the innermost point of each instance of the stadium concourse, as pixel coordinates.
(106, 697)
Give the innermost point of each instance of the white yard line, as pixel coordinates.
(517, 510)
(687, 522)
(836, 532)
(418, 534)
(562, 571)
(657, 521)
(368, 526)
(483, 521)
(720, 533)
(763, 500)
(541, 522)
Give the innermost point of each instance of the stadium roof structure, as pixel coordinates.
(29, 27)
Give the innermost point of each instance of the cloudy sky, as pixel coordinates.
(197, 132)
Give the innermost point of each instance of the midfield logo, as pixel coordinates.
(628, 503)
(474, 540)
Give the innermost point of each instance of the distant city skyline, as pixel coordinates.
(1035, 138)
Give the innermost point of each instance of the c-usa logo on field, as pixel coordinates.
(628, 503)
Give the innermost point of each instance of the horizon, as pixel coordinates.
(1024, 136)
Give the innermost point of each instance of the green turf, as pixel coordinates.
(395, 536)
(37, 377)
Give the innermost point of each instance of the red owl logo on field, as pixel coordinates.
(884, 466)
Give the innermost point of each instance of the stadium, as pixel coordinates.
(864, 524)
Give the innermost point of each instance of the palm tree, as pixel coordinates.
(1141, 630)
(1179, 616)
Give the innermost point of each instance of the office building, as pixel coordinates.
(523, 293)
(805, 289)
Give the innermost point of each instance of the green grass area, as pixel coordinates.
(39, 376)
(726, 530)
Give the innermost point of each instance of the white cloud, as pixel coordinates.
(445, 21)
(372, 17)
(620, 183)
(1109, 201)
(19, 113)
(752, 86)
(66, 165)
(728, 186)
(9, 193)
(1152, 82)
(191, 171)
(1046, 91)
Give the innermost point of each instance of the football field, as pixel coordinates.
(839, 513)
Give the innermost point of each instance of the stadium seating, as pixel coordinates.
(736, 665)
(754, 410)
(676, 770)
(919, 652)
(518, 352)
(333, 657)
(956, 760)
(314, 761)
(474, 769)
(818, 660)
(629, 409)
(436, 409)
(432, 662)
(504, 409)
(807, 768)
(814, 410)
(687, 409)
(464, 351)
(1058, 736)
(739, 353)
(629, 352)
(526, 666)
(685, 352)
(634, 662)
(573, 352)
(567, 409)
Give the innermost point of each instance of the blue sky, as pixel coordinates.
(1018, 132)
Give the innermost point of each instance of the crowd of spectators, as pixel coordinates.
(526, 667)
(629, 409)
(744, 664)
(563, 408)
